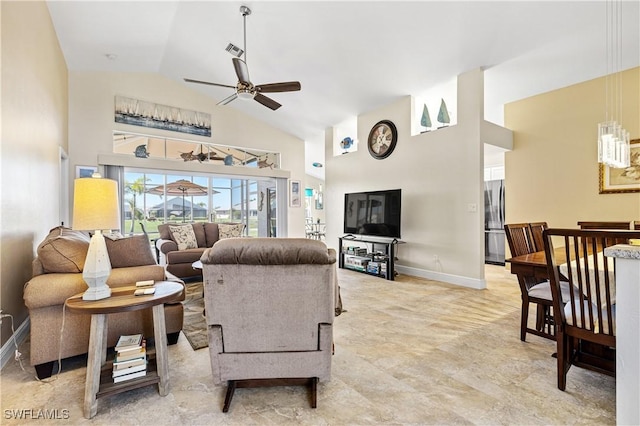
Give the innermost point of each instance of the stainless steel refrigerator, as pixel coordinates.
(494, 237)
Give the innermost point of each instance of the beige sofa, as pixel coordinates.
(270, 305)
(57, 275)
(179, 260)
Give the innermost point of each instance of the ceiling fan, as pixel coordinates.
(244, 88)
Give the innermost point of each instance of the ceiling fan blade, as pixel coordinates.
(268, 102)
(227, 99)
(189, 80)
(241, 70)
(288, 86)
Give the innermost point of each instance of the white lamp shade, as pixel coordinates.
(95, 204)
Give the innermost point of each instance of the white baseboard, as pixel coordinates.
(8, 350)
(440, 276)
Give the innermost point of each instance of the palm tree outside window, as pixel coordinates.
(134, 189)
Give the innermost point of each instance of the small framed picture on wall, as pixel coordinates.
(295, 197)
(319, 201)
(85, 171)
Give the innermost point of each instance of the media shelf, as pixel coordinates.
(368, 255)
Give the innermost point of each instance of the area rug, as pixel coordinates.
(194, 327)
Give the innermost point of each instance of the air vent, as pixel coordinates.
(234, 50)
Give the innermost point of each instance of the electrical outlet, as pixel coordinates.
(435, 258)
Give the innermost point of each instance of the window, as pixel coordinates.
(185, 150)
(152, 198)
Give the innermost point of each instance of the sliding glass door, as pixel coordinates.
(154, 197)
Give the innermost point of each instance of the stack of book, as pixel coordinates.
(131, 358)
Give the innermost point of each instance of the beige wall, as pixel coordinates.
(552, 172)
(91, 124)
(34, 127)
(440, 174)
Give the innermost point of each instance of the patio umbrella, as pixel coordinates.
(181, 187)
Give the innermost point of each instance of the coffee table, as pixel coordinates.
(99, 381)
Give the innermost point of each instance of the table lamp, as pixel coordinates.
(95, 208)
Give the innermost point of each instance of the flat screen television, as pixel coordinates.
(375, 213)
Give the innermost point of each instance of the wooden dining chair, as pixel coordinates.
(604, 225)
(532, 290)
(586, 323)
(536, 233)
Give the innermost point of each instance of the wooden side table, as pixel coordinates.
(123, 300)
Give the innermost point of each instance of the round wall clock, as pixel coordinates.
(382, 139)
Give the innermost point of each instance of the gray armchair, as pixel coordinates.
(270, 305)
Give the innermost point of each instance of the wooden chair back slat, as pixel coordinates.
(537, 228)
(590, 288)
(519, 238)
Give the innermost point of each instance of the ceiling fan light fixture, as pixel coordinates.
(246, 94)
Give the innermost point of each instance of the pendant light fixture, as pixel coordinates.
(613, 139)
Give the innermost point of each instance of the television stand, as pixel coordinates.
(376, 258)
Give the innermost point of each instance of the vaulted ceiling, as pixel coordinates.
(350, 57)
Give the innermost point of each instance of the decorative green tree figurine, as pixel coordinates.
(443, 114)
(426, 120)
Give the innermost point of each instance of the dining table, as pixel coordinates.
(535, 264)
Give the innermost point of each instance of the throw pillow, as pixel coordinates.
(184, 236)
(130, 251)
(63, 250)
(230, 230)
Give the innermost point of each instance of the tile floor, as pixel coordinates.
(408, 352)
